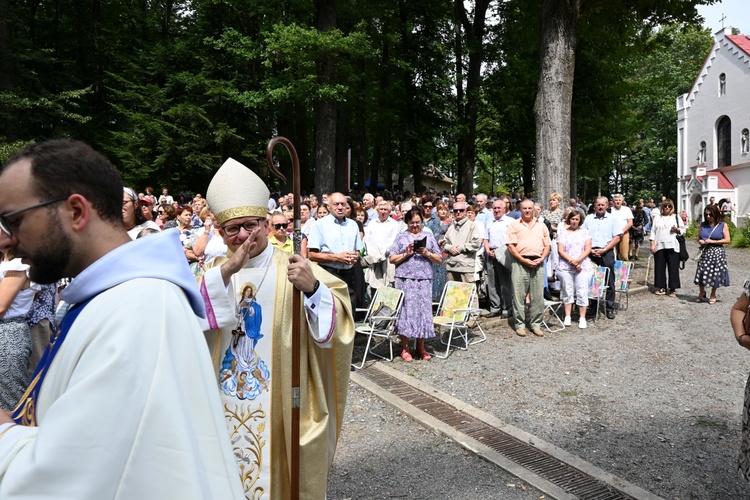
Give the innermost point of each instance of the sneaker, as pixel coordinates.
(567, 321)
(538, 332)
(582, 323)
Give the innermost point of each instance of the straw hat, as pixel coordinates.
(236, 191)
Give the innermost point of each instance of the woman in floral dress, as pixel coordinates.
(414, 276)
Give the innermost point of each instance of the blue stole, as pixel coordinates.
(25, 412)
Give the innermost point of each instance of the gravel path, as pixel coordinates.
(654, 396)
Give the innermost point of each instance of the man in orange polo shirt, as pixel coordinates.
(529, 244)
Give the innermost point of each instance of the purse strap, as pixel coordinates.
(712, 231)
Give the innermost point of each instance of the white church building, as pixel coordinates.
(713, 141)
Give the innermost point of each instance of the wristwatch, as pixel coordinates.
(315, 289)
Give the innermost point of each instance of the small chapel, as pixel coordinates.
(713, 141)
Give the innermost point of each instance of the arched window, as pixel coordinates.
(724, 142)
(745, 141)
(722, 84)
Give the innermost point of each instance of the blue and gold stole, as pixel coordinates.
(25, 412)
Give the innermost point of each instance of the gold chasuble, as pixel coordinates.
(252, 356)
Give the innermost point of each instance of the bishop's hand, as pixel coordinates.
(240, 256)
(300, 274)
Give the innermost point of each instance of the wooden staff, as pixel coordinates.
(296, 303)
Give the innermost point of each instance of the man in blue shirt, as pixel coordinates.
(334, 243)
(605, 230)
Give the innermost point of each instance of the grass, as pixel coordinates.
(569, 394)
(707, 422)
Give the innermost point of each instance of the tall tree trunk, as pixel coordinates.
(573, 159)
(325, 109)
(475, 30)
(553, 106)
(409, 151)
(342, 148)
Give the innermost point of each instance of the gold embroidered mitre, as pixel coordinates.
(236, 191)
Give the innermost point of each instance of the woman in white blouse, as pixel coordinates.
(666, 249)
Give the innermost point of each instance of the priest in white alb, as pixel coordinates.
(248, 297)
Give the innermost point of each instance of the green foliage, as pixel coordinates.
(692, 230)
(740, 235)
(169, 90)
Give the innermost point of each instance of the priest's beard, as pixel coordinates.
(51, 259)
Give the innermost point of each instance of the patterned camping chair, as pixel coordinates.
(456, 315)
(380, 320)
(623, 270)
(598, 287)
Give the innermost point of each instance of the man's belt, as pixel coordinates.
(337, 271)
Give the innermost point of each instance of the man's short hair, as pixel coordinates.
(62, 167)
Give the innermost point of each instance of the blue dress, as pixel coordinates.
(712, 270)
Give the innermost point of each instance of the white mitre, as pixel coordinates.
(236, 191)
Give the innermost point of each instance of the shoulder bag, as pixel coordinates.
(684, 256)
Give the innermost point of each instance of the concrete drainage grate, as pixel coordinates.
(561, 474)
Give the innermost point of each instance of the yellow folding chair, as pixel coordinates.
(456, 315)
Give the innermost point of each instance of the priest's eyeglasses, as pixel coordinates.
(5, 224)
(249, 225)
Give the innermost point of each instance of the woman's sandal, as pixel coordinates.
(424, 355)
(406, 356)
(712, 300)
(673, 294)
(701, 298)
(660, 291)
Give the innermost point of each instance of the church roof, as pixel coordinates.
(723, 182)
(741, 41)
(738, 46)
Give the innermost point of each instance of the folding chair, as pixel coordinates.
(623, 270)
(551, 310)
(598, 287)
(456, 315)
(380, 324)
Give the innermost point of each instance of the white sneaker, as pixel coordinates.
(582, 323)
(567, 321)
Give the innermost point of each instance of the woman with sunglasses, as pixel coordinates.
(440, 272)
(712, 268)
(666, 249)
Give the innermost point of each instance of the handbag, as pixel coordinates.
(684, 256)
(382, 310)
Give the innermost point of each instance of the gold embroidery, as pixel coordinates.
(233, 213)
(249, 457)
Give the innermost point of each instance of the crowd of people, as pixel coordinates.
(517, 252)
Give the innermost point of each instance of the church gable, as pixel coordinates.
(728, 49)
